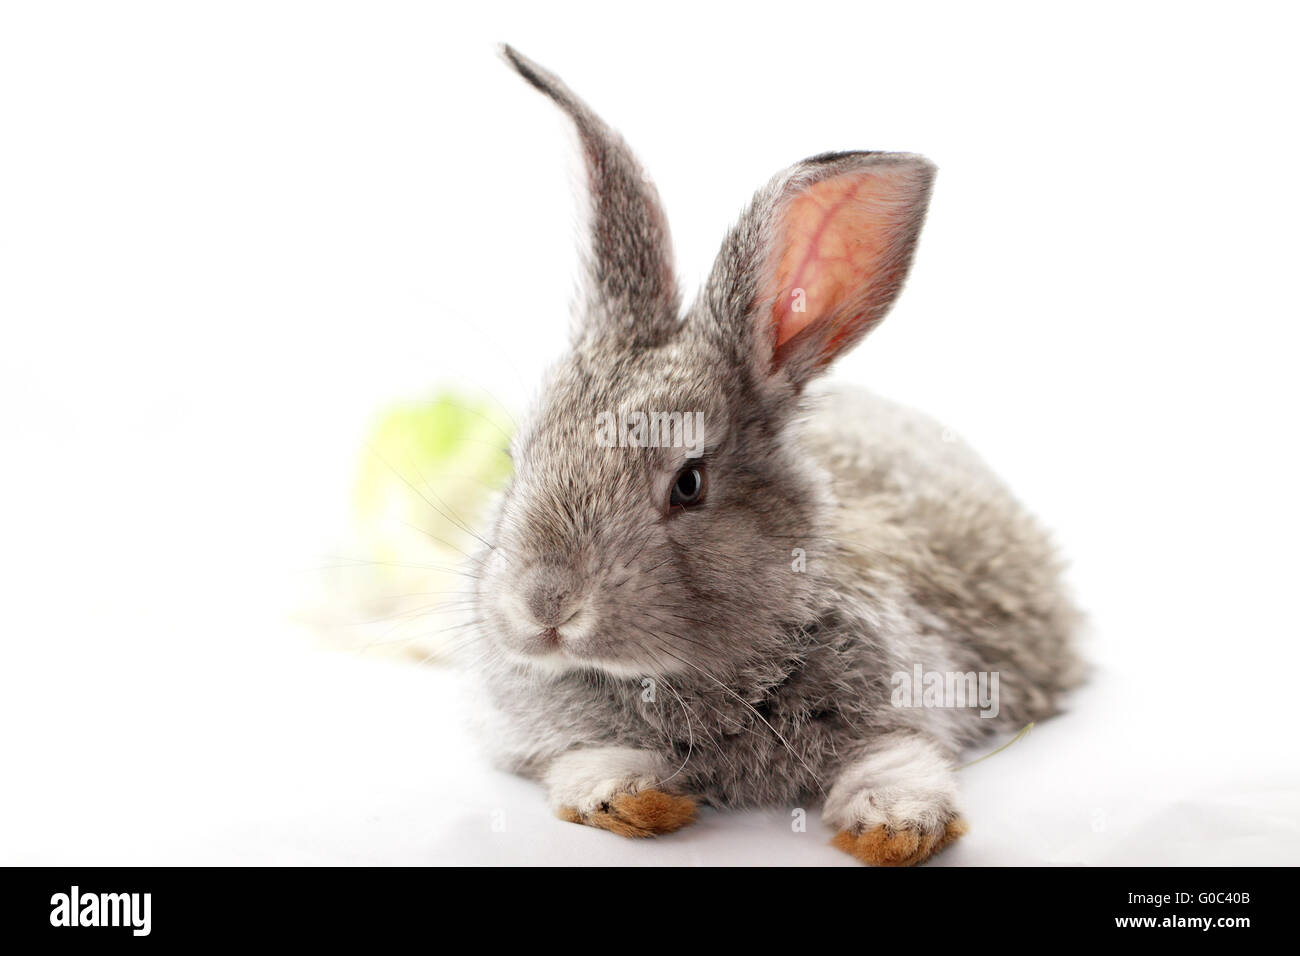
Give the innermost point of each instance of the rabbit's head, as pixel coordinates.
(661, 503)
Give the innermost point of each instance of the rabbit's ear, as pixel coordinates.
(818, 260)
(631, 291)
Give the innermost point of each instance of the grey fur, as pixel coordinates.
(631, 293)
(771, 684)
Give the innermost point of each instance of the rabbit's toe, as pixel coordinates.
(642, 814)
(882, 845)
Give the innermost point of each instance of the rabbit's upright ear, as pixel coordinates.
(631, 292)
(817, 261)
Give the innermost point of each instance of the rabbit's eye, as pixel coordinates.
(688, 489)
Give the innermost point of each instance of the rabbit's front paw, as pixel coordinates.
(616, 789)
(882, 845)
(897, 804)
(642, 814)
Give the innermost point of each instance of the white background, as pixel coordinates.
(229, 233)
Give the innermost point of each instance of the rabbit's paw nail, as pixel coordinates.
(884, 846)
(642, 814)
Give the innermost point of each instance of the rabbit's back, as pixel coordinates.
(918, 513)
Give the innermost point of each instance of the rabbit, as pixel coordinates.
(664, 625)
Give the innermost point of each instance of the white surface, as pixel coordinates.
(228, 235)
(307, 758)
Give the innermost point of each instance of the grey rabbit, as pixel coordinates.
(723, 621)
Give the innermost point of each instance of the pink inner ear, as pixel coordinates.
(834, 238)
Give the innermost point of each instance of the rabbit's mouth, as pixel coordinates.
(558, 638)
(576, 644)
(559, 644)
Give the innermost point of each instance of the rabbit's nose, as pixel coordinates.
(551, 597)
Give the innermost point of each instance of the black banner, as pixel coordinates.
(209, 905)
